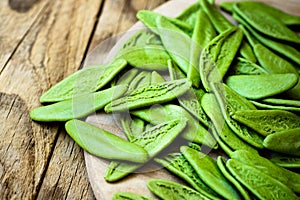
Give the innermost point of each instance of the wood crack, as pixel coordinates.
(39, 185)
(56, 187)
(92, 34)
(72, 178)
(10, 108)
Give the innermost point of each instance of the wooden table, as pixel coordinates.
(42, 42)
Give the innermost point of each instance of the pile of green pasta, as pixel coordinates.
(191, 82)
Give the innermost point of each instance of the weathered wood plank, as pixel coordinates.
(52, 48)
(16, 19)
(66, 176)
(16, 151)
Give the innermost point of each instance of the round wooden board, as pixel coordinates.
(96, 167)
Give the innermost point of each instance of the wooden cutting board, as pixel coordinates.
(96, 167)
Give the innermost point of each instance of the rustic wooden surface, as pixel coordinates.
(43, 41)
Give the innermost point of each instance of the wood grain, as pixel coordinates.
(16, 153)
(52, 48)
(16, 20)
(66, 176)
